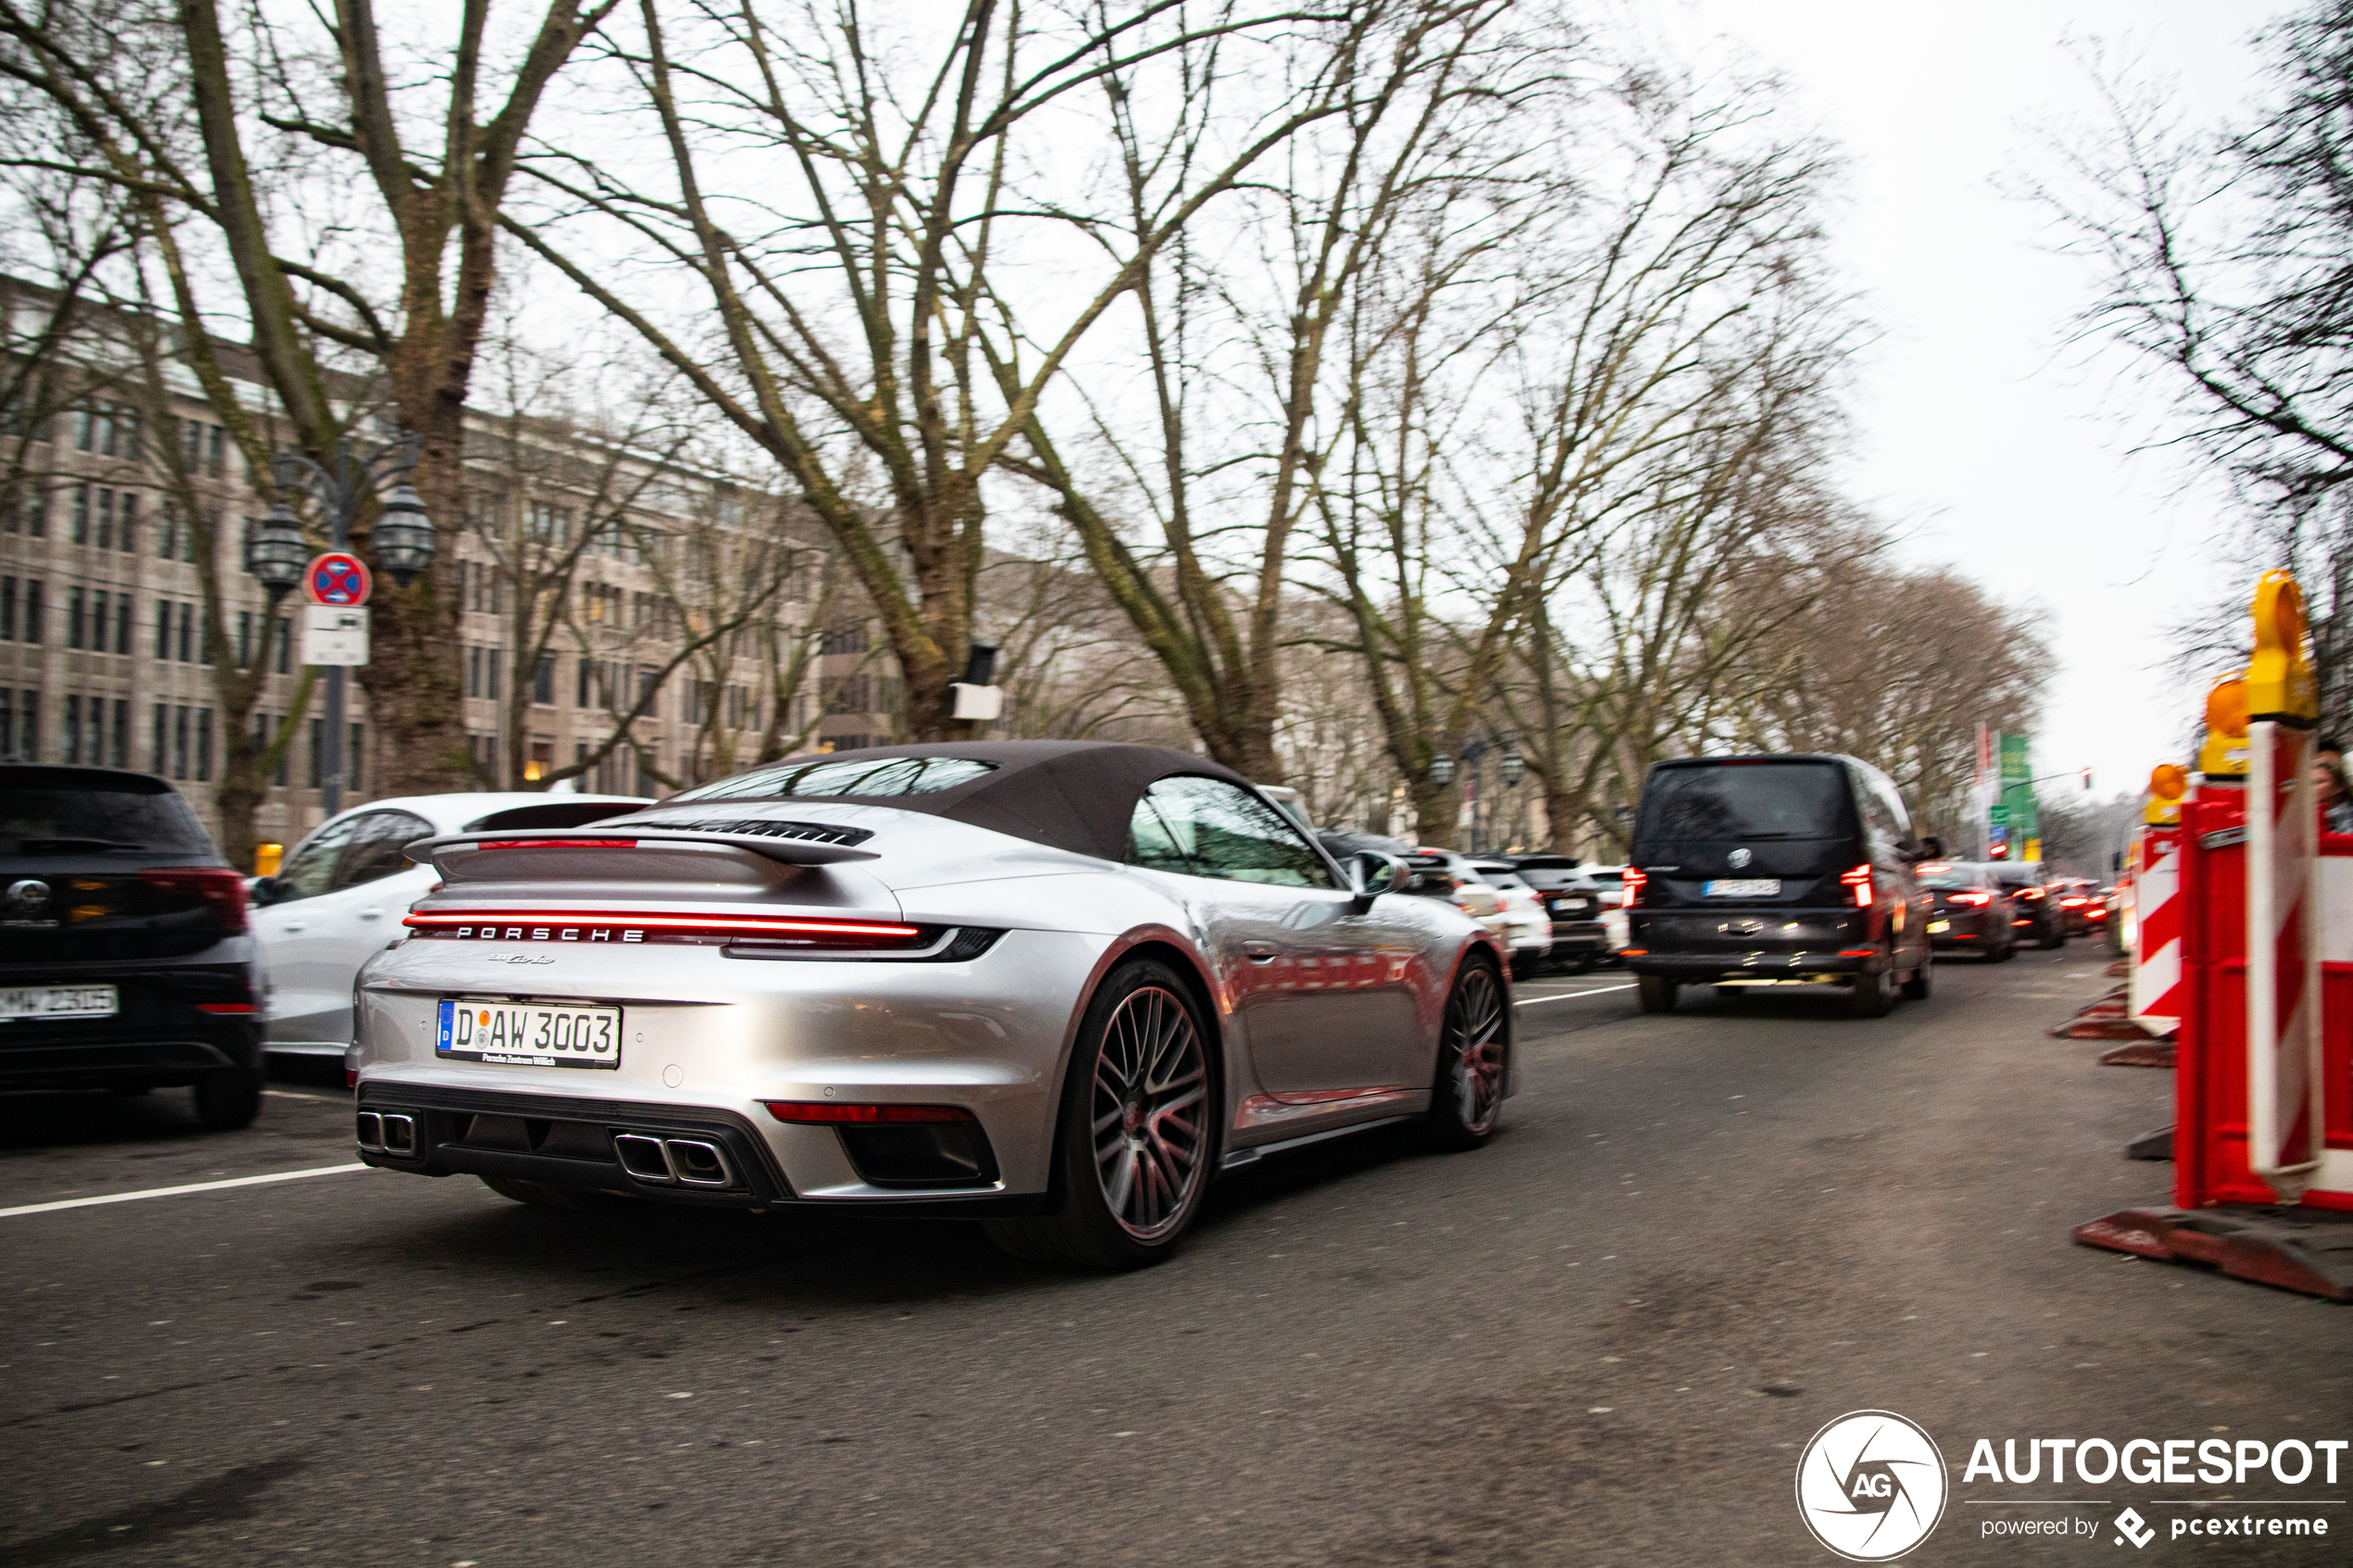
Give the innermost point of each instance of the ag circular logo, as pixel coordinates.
(1738, 859)
(28, 895)
(1871, 1486)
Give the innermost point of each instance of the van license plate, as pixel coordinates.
(1939, 927)
(529, 1035)
(1750, 888)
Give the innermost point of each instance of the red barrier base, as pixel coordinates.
(2294, 1249)
(2107, 1019)
(2141, 1053)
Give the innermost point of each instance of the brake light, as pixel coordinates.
(598, 925)
(2073, 903)
(1635, 880)
(1933, 868)
(1971, 898)
(217, 888)
(1859, 879)
(225, 1007)
(555, 844)
(2030, 893)
(804, 1111)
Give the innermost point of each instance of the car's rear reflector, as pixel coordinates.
(827, 1111)
(217, 888)
(225, 1007)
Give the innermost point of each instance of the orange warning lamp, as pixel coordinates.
(2167, 783)
(2224, 754)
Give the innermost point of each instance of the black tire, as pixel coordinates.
(1917, 987)
(1872, 996)
(541, 1196)
(1146, 1069)
(1584, 963)
(1657, 992)
(1474, 1060)
(2052, 936)
(229, 1099)
(1524, 968)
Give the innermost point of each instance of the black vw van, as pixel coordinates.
(1791, 869)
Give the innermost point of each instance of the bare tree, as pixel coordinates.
(203, 121)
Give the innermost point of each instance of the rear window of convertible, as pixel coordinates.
(872, 776)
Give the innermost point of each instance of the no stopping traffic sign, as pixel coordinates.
(337, 578)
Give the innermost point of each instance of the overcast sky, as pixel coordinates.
(1994, 446)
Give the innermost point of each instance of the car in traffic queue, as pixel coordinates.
(1447, 874)
(1527, 924)
(1778, 869)
(1055, 986)
(2034, 913)
(2083, 906)
(1969, 912)
(1573, 902)
(336, 900)
(126, 959)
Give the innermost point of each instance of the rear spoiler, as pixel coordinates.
(791, 851)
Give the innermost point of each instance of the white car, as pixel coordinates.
(338, 898)
(1528, 926)
(1612, 882)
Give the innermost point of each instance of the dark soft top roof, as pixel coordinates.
(1074, 795)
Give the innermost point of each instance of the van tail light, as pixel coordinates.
(2030, 893)
(1636, 878)
(217, 888)
(1859, 879)
(1976, 899)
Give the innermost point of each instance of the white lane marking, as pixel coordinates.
(174, 1192)
(297, 1094)
(1570, 996)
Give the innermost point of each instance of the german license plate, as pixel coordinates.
(529, 1034)
(1938, 927)
(58, 1002)
(1743, 887)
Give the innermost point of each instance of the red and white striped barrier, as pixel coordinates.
(2154, 993)
(2282, 960)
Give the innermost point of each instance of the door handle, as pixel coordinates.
(293, 925)
(1260, 952)
(371, 914)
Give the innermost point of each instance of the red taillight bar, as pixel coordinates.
(550, 844)
(216, 887)
(1632, 883)
(225, 1007)
(1971, 898)
(751, 924)
(827, 1111)
(1859, 879)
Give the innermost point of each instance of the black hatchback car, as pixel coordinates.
(125, 963)
(1788, 870)
(1970, 912)
(1574, 902)
(2034, 904)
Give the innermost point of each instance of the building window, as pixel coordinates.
(81, 514)
(73, 736)
(163, 630)
(217, 452)
(7, 615)
(24, 745)
(33, 610)
(649, 693)
(178, 743)
(204, 745)
(73, 619)
(126, 522)
(121, 757)
(35, 511)
(187, 633)
(543, 681)
(159, 759)
(106, 517)
(123, 625)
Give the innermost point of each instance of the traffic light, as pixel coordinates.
(1999, 852)
(2087, 778)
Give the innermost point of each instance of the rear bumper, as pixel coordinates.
(35, 1062)
(1579, 937)
(1753, 966)
(571, 1142)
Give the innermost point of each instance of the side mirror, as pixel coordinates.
(1907, 850)
(1372, 873)
(1932, 848)
(265, 890)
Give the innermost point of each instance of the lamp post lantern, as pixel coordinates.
(403, 546)
(1442, 770)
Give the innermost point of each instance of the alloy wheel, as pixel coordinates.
(1474, 1042)
(1151, 1085)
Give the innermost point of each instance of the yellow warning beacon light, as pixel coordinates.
(2223, 755)
(2167, 784)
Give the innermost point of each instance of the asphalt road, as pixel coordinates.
(1603, 1338)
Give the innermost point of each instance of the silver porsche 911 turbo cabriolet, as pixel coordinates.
(1054, 986)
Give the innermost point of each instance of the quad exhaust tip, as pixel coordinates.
(387, 1132)
(694, 1162)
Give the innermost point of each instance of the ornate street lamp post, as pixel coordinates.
(341, 487)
